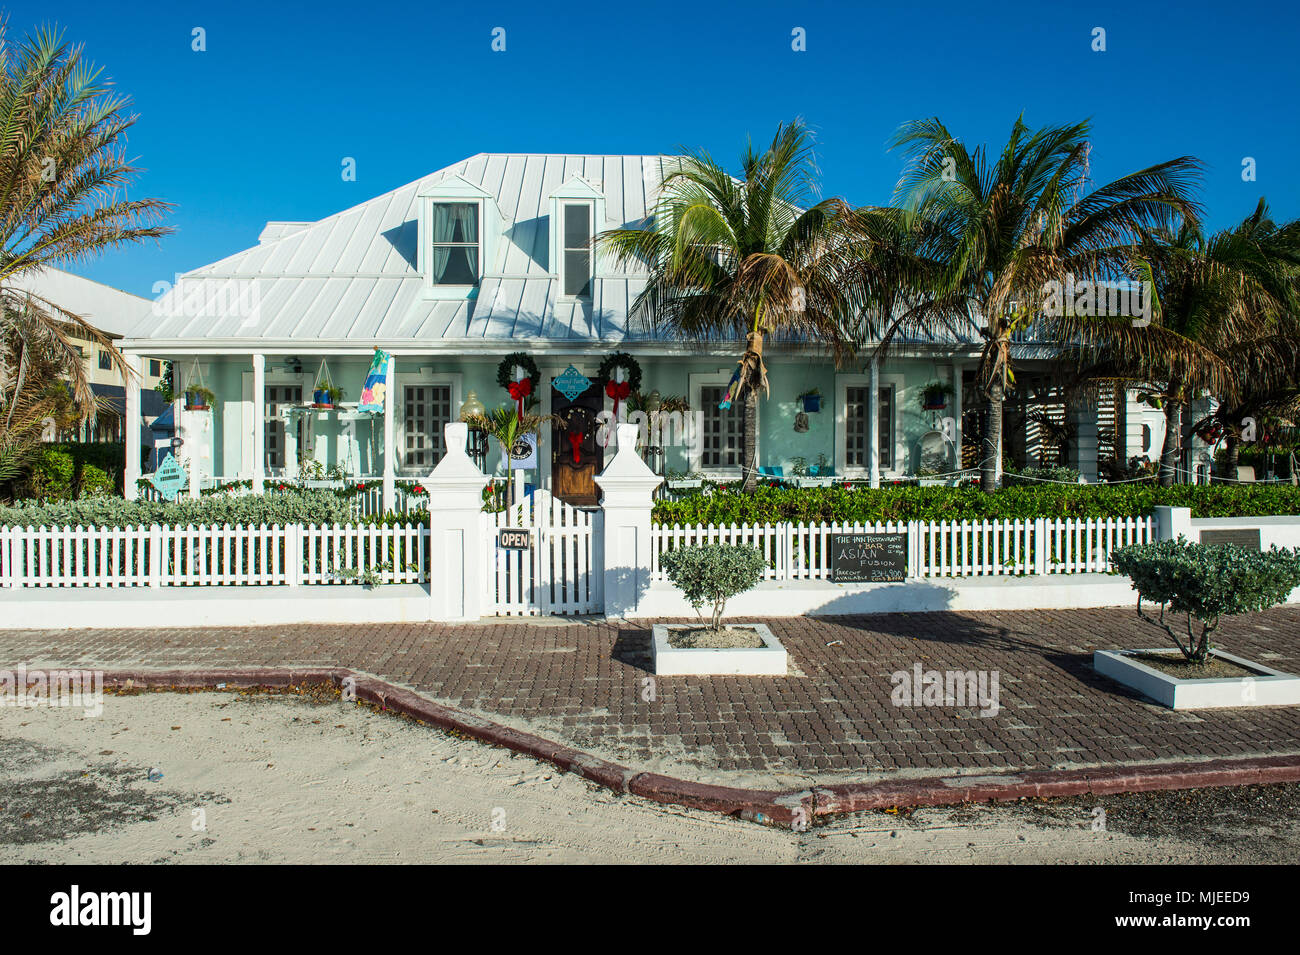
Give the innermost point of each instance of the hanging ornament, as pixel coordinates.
(621, 375)
(575, 442)
(521, 387)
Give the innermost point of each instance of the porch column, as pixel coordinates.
(627, 496)
(873, 422)
(259, 422)
(131, 427)
(956, 434)
(459, 546)
(390, 399)
(1083, 450)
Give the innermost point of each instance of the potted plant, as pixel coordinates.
(712, 574)
(198, 398)
(326, 395)
(812, 400)
(934, 396)
(1202, 583)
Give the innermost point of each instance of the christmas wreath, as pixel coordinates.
(619, 390)
(521, 389)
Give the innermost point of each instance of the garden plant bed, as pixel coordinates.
(704, 638)
(685, 655)
(1253, 684)
(1177, 665)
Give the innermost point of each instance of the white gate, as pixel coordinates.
(560, 572)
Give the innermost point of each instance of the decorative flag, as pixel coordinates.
(372, 393)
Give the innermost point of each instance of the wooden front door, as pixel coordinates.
(575, 455)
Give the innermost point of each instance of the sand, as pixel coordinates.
(283, 779)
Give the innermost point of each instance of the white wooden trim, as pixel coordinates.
(897, 460)
(417, 377)
(721, 377)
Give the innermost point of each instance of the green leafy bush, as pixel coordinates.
(713, 573)
(1058, 474)
(902, 503)
(1206, 582)
(283, 507)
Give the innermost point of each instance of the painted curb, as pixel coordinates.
(792, 808)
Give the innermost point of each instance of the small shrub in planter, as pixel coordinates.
(713, 574)
(1206, 582)
(327, 396)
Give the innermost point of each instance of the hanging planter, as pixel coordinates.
(934, 396)
(198, 398)
(325, 394)
(812, 401)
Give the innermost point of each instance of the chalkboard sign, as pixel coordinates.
(868, 558)
(1247, 537)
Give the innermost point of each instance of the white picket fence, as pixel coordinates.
(560, 573)
(935, 548)
(211, 555)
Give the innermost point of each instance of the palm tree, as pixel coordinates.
(753, 256)
(1225, 317)
(983, 234)
(62, 159)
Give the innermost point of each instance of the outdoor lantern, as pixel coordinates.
(476, 445)
(653, 402)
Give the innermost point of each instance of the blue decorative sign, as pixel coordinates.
(572, 383)
(169, 478)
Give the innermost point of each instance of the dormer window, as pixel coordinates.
(576, 259)
(454, 243)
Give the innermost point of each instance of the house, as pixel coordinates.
(491, 256)
(112, 311)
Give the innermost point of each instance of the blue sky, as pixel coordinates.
(256, 127)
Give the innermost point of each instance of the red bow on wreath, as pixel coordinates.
(575, 442)
(519, 390)
(618, 390)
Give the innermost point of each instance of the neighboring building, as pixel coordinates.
(491, 256)
(112, 311)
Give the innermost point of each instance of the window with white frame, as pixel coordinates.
(722, 431)
(576, 257)
(454, 243)
(856, 434)
(426, 412)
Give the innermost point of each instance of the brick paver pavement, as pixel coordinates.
(584, 684)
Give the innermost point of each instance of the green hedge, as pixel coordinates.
(70, 470)
(864, 505)
(284, 507)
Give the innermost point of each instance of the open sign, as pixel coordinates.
(514, 539)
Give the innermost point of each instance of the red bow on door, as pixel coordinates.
(519, 390)
(575, 442)
(618, 390)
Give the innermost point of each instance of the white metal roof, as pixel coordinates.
(354, 277)
(110, 310)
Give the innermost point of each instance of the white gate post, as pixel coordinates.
(1174, 522)
(457, 548)
(627, 485)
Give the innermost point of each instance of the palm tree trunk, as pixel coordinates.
(749, 455)
(1231, 455)
(1173, 439)
(991, 452)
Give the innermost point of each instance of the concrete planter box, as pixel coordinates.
(767, 660)
(1270, 688)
